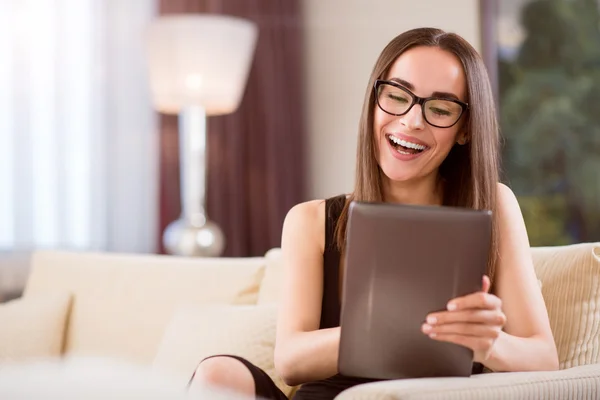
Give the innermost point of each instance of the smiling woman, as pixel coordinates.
(427, 136)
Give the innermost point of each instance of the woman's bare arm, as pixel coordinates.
(303, 352)
(527, 342)
(508, 330)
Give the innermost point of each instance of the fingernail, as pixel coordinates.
(426, 328)
(431, 320)
(451, 306)
(432, 335)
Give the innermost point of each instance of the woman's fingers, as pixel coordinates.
(475, 300)
(462, 329)
(482, 299)
(486, 284)
(481, 345)
(474, 321)
(491, 317)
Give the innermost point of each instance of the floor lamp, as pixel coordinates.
(198, 66)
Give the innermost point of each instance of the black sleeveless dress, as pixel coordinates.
(331, 306)
(329, 388)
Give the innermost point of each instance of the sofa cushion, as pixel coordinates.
(122, 303)
(33, 327)
(96, 379)
(270, 289)
(570, 278)
(195, 333)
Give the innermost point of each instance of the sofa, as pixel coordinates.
(168, 312)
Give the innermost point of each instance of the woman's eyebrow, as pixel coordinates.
(410, 86)
(404, 83)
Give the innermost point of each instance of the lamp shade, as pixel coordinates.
(199, 60)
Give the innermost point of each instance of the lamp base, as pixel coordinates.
(183, 238)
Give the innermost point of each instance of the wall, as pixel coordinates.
(342, 41)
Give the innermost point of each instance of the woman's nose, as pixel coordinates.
(413, 119)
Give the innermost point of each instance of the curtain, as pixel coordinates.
(255, 155)
(78, 136)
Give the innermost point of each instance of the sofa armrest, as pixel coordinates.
(581, 382)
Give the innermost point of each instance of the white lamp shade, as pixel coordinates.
(199, 60)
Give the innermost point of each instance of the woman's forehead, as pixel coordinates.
(429, 70)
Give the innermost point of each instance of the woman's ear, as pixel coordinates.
(462, 138)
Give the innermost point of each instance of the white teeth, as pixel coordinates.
(404, 143)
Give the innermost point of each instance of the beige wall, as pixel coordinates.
(343, 39)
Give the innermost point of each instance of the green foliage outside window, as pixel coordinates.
(550, 121)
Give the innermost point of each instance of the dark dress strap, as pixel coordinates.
(330, 311)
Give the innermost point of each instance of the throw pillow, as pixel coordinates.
(270, 288)
(571, 290)
(124, 301)
(33, 327)
(196, 332)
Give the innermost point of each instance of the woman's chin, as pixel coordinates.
(396, 173)
(398, 177)
(403, 177)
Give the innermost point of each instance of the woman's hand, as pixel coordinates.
(474, 321)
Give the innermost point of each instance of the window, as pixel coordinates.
(77, 130)
(548, 67)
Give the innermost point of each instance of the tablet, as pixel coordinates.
(401, 263)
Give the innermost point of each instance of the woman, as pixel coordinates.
(428, 135)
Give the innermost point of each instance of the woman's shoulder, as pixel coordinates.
(307, 210)
(503, 189)
(313, 209)
(307, 220)
(506, 200)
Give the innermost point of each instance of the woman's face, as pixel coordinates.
(409, 147)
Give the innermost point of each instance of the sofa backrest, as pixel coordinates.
(122, 303)
(570, 277)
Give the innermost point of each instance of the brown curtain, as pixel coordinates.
(256, 155)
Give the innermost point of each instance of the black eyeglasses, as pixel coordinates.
(396, 100)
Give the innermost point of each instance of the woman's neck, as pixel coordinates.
(426, 191)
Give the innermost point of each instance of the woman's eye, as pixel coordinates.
(440, 112)
(399, 99)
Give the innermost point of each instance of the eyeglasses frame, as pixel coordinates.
(416, 100)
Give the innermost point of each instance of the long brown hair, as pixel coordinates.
(470, 171)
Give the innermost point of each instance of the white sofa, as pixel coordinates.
(169, 312)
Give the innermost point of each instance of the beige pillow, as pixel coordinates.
(33, 327)
(270, 288)
(571, 288)
(196, 332)
(124, 301)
